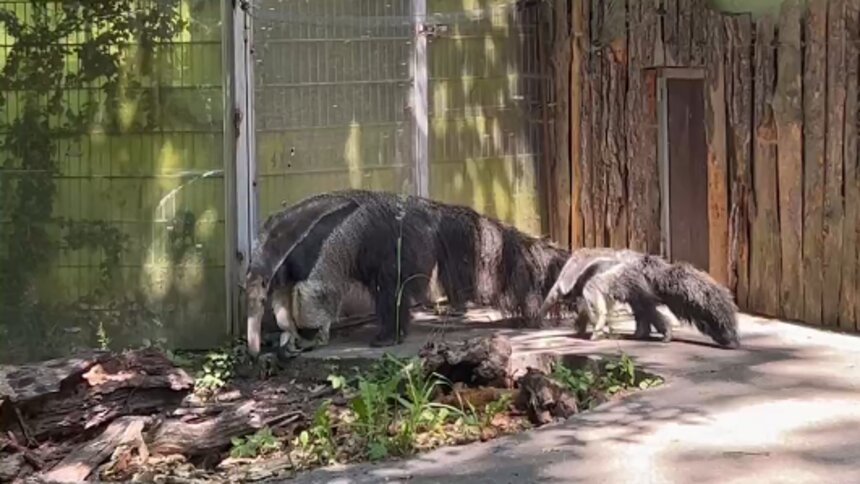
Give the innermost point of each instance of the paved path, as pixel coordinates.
(784, 409)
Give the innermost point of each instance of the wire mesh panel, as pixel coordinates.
(111, 176)
(488, 91)
(331, 95)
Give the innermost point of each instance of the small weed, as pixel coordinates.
(103, 338)
(374, 412)
(580, 382)
(495, 408)
(338, 382)
(419, 411)
(259, 443)
(392, 403)
(216, 372)
(613, 377)
(317, 442)
(476, 418)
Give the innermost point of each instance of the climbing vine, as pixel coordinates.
(60, 47)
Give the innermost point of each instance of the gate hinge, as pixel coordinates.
(432, 30)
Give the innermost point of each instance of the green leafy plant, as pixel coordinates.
(261, 442)
(613, 376)
(392, 403)
(496, 407)
(419, 411)
(483, 418)
(217, 371)
(338, 382)
(374, 413)
(619, 374)
(317, 442)
(580, 382)
(103, 338)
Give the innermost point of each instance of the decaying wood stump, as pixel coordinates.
(543, 399)
(483, 360)
(190, 438)
(68, 397)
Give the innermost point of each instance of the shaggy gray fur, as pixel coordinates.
(597, 278)
(320, 248)
(297, 231)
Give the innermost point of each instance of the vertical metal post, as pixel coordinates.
(239, 152)
(250, 132)
(420, 122)
(228, 142)
(663, 165)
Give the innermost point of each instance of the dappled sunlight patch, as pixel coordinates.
(168, 162)
(352, 155)
(764, 425)
(155, 277)
(206, 224)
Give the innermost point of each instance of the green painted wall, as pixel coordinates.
(134, 231)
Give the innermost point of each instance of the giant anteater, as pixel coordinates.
(320, 248)
(598, 277)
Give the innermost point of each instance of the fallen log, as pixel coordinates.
(72, 397)
(479, 361)
(79, 464)
(192, 438)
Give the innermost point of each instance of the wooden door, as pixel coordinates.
(687, 172)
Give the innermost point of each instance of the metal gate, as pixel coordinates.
(439, 98)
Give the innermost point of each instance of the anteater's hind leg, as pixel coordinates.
(581, 317)
(646, 315)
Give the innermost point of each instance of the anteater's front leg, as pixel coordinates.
(598, 308)
(291, 342)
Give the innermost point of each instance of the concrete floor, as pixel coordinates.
(783, 409)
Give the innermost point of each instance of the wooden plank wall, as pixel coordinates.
(781, 105)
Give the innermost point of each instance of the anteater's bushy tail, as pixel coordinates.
(693, 296)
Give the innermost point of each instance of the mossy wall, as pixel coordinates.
(111, 175)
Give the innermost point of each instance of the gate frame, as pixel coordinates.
(239, 154)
